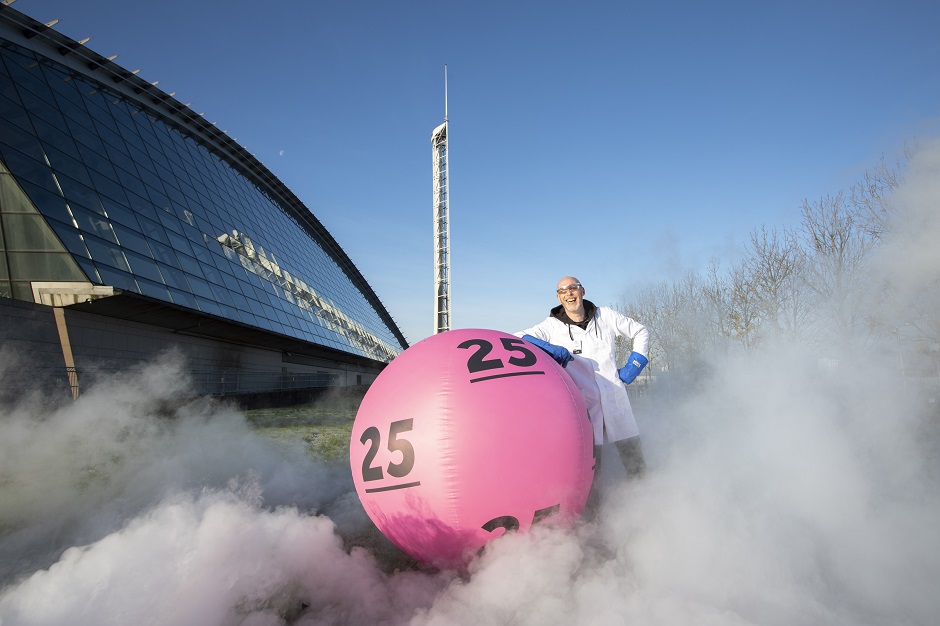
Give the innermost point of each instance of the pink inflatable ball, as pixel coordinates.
(465, 436)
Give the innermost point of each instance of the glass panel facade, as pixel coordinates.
(29, 248)
(126, 199)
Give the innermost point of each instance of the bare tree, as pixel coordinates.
(905, 213)
(732, 310)
(873, 194)
(837, 248)
(815, 284)
(774, 262)
(678, 319)
(715, 291)
(744, 315)
(648, 309)
(692, 322)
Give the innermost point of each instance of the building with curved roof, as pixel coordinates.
(129, 224)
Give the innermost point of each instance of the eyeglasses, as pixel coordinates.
(571, 287)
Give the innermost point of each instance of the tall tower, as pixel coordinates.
(441, 223)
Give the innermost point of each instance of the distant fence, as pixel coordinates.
(69, 381)
(639, 387)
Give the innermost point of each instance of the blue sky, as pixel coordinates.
(623, 142)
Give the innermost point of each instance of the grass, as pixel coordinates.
(324, 426)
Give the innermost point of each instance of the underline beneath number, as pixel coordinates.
(393, 487)
(477, 380)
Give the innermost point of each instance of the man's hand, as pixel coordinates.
(632, 369)
(560, 354)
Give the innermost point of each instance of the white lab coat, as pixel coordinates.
(594, 370)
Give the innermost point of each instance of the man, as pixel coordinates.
(582, 338)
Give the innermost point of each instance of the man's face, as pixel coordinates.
(570, 293)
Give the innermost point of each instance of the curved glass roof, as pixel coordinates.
(145, 203)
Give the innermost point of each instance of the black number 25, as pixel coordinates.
(398, 470)
(478, 361)
(510, 523)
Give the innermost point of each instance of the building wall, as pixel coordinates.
(102, 346)
(28, 332)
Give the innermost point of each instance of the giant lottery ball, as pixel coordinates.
(468, 435)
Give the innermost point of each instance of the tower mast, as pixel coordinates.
(441, 216)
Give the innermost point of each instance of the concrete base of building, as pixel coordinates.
(225, 360)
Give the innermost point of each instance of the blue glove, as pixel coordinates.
(632, 369)
(560, 354)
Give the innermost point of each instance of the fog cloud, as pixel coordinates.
(778, 492)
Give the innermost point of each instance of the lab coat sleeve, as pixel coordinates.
(539, 331)
(629, 327)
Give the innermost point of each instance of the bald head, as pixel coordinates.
(571, 295)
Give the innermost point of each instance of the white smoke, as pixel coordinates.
(126, 508)
(909, 262)
(775, 496)
(777, 493)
